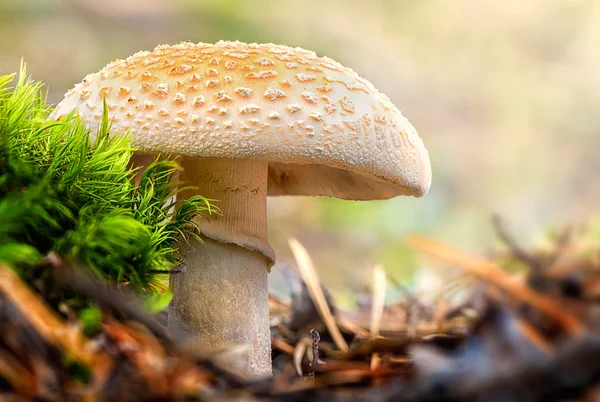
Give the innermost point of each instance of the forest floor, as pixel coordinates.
(516, 325)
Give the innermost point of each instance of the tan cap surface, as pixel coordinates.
(323, 129)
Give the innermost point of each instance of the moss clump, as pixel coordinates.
(62, 192)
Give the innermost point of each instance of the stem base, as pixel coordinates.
(224, 306)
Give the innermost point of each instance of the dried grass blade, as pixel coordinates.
(378, 302)
(299, 353)
(309, 276)
(377, 305)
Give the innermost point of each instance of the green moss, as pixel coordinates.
(61, 191)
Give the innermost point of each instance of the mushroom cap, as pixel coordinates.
(323, 129)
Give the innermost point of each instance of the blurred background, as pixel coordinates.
(506, 96)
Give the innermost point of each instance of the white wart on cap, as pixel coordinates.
(323, 129)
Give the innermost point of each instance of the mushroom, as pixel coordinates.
(247, 121)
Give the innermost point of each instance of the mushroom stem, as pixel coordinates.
(222, 297)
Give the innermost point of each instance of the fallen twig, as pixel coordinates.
(491, 272)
